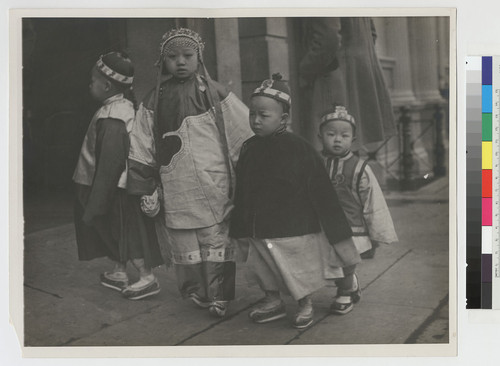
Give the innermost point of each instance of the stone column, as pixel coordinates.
(394, 55)
(263, 50)
(443, 26)
(424, 54)
(397, 47)
(227, 47)
(381, 41)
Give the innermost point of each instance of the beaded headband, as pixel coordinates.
(340, 114)
(266, 89)
(181, 38)
(106, 70)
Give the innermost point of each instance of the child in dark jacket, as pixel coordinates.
(283, 201)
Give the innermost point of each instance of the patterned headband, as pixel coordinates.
(266, 89)
(106, 70)
(181, 38)
(340, 114)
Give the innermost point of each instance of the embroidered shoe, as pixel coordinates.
(342, 305)
(114, 280)
(268, 311)
(218, 309)
(141, 289)
(304, 316)
(199, 301)
(345, 300)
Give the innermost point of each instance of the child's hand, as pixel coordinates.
(150, 205)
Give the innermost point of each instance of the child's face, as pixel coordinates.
(99, 86)
(336, 137)
(181, 62)
(266, 115)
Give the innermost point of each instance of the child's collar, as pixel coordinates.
(279, 131)
(346, 156)
(196, 76)
(113, 98)
(182, 81)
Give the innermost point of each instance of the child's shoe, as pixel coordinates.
(269, 309)
(304, 316)
(199, 301)
(218, 309)
(145, 287)
(370, 254)
(345, 300)
(114, 280)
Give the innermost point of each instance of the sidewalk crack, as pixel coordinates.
(300, 333)
(43, 291)
(213, 325)
(106, 325)
(388, 268)
(427, 322)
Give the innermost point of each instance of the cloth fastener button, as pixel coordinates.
(269, 245)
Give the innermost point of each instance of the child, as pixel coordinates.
(188, 132)
(283, 199)
(108, 222)
(359, 194)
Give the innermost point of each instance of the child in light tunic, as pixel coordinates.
(186, 139)
(359, 194)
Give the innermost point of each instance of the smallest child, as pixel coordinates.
(359, 194)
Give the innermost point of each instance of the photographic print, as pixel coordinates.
(240, 180)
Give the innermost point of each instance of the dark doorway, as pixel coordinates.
(58, 55)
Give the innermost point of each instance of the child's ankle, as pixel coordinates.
(273, 295)
(119, 267)
(140, 265)
(147, 276)
(306, 300)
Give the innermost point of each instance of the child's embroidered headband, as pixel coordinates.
(340, 114)
(116, 66)
(274, 88)
(181, 38)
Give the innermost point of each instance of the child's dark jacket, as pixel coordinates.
(282, 190)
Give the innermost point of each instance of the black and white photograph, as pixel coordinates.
(245, 180)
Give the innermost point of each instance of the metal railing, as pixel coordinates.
(417, 154)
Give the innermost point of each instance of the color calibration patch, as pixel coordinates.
(483, 182)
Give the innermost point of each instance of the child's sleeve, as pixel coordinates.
(375, 211)
(142, 171)
(111, 155)
(236, 124)
(331, 215)
(326, 204)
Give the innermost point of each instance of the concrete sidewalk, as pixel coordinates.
(404, 300)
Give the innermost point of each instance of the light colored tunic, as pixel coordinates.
(362, 200)
(195, 182)
(295, 266)
(115, 107)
